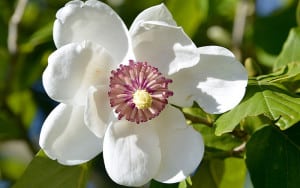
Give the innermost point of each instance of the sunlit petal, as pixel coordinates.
(218, 82)
(181, 146)
(158, 13)
(131, 153)
(94, 21)
(166, 47)
(65, 137)
(73, 68)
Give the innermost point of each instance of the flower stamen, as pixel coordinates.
(138, 92)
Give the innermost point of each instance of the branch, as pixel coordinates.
(13, 26)
(242, 10)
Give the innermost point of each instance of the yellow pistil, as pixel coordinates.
(142, 99)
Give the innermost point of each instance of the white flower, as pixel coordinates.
(100, 67)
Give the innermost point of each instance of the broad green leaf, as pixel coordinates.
(195, 11)
(290, 51)
(273, 157)
(253, 123)
(289, 76)
(225, 142)
(216, 173)
(203, 123)
(263, 96)
(47, 173)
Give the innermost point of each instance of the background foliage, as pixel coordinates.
(257, 144)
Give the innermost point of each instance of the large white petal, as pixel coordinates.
(164, 46)
(73, 68)
(131, 153)
(65, 137)
(218, 82)
(94, 21)
(181, 146)
(98, 111)
(158, 13)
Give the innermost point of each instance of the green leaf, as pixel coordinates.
(290, 51)
(216, 173)
(195, 11)
(263, 96)
(225, 142)
(47, 173)
(273, 157)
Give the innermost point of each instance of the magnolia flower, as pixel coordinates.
(115, 87)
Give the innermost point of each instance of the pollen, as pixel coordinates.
(138, 92)
(142, 99)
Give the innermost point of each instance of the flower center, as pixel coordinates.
(138, 92)
(142, 99)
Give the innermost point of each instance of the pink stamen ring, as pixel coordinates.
(138, 92)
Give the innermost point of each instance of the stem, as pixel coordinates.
(239, 26)
(195, 119)
(13, 26)
(13, 50)
(239, 150)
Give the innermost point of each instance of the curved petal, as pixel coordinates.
(158, 13)
(94, 21)
(131, 153)
(181, 146)
(98, 111)
(65, 137)
(163, 46)
(218, 82)
(73, 68)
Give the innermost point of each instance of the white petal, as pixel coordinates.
(217, 82)
(73, 68)
(98, 110)
(131, 153)
(181, 146)
(158, 13)
(166, 47)
(65, 137)
(94, 21)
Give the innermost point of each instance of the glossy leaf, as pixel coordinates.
(225, 142)
(273, 157)
(290, 52)
(47, 173)
(216, 173)
(263, 96)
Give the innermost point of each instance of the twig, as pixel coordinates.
(13, 26)
(239, 26)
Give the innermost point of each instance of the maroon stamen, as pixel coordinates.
(148, 82)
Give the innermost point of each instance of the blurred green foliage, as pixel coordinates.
(23, 104)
